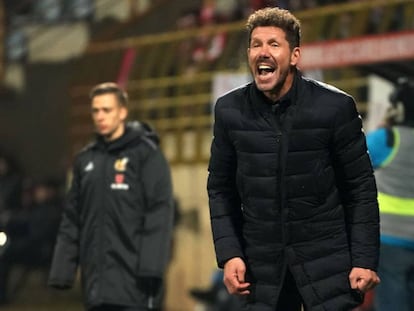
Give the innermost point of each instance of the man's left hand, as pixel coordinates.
(363, 279)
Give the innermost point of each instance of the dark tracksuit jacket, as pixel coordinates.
(117, 225)
(291, 186)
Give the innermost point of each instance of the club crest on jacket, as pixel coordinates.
(120, 164)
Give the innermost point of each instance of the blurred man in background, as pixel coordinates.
(117, 225)
(391, 149)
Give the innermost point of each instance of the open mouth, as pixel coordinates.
(265, 69)
(101, 128)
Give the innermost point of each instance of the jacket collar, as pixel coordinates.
(134, 132)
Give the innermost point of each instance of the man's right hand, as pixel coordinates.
(234, 273)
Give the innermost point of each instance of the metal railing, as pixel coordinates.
(172, 92)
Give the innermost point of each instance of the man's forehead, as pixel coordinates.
(107, 98)
(267, 31)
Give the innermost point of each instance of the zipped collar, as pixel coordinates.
(133, 134)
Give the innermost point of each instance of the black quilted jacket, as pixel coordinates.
(291, 185)
(117, 225)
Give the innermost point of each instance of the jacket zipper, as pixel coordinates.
(102, 219)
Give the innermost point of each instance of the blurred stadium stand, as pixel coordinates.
(156, 58)
(177, 101)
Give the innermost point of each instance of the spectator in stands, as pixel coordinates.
(200, 52)
(292, 194)
(208, 46)
(188, 21)
(10, 186)
(229, 10)
(31, 233)
(391, 149)
(117, 224)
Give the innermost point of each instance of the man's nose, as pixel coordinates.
(99, 115)
(264, 51)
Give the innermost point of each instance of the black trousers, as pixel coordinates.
(290, 298)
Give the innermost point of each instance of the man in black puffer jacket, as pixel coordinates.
(292, 194)
(117, 225)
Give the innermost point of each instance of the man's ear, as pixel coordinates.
(124, 113)
(295, 56)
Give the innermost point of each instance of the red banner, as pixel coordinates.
(358, 50)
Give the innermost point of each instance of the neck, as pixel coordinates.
(118, 132)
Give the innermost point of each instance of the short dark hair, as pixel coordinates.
(279, 18)
(110, 88)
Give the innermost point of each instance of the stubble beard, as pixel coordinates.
(275, 91)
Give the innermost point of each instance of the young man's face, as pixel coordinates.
(108, 116)
(270, 59)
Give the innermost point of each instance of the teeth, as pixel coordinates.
(264, 69)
